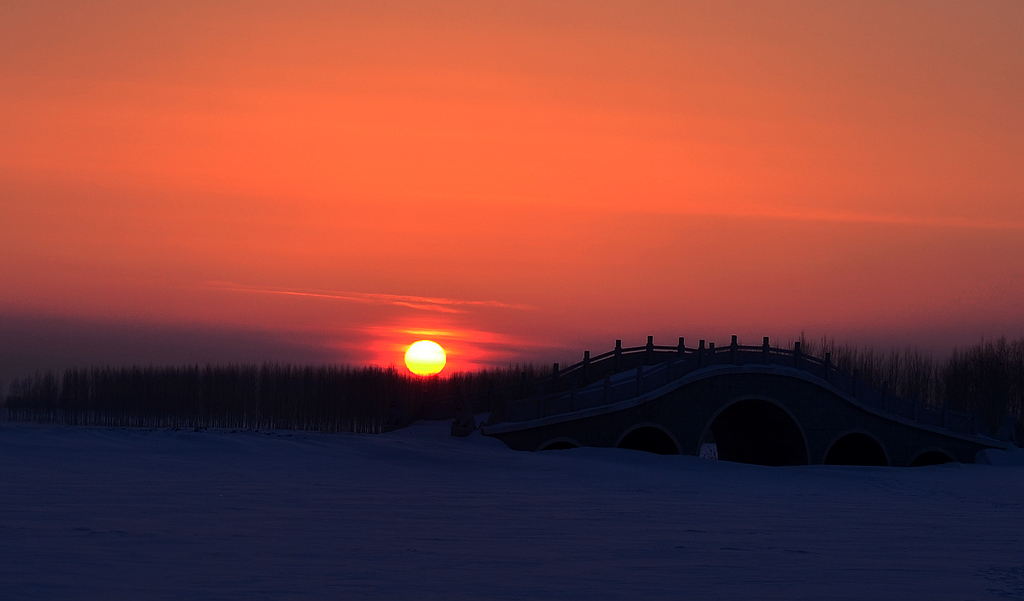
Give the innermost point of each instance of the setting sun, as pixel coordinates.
(425, 358)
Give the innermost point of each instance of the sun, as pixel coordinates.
(425, 358)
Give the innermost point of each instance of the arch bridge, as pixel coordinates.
(752, 404)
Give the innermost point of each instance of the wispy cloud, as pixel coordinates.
(480, 338)
(422, 303)
(868, 218)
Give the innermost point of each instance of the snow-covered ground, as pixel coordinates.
(88, 513)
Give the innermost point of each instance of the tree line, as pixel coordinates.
(987, 378)
(271, 396)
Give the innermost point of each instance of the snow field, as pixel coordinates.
(91, 513)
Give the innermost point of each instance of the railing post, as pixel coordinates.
(711, 353)
(682, 347)
(700, 354)
(733, 350)
(618, 355)
(765, 350)
(649, 358)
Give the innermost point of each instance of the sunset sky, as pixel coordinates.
(330, 181)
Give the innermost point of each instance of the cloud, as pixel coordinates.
(869, 218)
(33, 343)
(422, 303)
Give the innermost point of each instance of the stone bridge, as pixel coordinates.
(752, 404)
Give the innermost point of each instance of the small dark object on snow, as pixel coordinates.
(464, 423)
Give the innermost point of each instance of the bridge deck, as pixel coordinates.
(631, 377)
(659, 366)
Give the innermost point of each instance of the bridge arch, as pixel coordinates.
(756, 429)
(649, 437)
(856, 447)
(559, 443)
(932, 456)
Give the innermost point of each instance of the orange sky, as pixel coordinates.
(519, 181)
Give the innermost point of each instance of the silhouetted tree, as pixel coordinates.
(987, 378)
(328, 398)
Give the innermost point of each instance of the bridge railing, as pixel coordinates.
(627, 372)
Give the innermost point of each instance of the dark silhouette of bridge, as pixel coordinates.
(752, 404)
